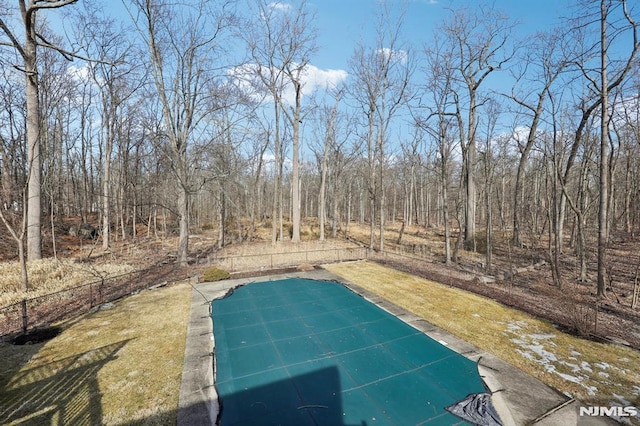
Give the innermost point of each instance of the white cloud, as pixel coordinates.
(284, 7)
(80, 74)
(521, 133)
(394, 55)
(246, 79)
(312, 78)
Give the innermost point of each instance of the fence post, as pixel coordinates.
(25, 318)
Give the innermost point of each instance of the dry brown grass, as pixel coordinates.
(431, 239)
(265, 247)
(49, 275)
(593, 372)
(116, 366)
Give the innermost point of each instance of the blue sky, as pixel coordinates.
(343, 23)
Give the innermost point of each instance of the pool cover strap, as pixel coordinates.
(477, 409)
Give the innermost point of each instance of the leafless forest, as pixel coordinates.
(176, 118)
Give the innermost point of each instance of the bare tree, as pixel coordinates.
(602, 75)
(295, 56)
(488, 157)
(27, 50)
(439, 74)
(328, 121)
(183, 44)
(114, 76)
(479, 41)
(333, 153)
(281, 44)
(541, 65)
(381, 76)
(606, 9)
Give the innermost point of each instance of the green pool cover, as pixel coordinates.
(305, 352)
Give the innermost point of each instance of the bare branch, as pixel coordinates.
(14, 41)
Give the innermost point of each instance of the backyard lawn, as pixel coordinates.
(596, 373)
(118, 365)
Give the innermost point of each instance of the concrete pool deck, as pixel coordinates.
(519, 398)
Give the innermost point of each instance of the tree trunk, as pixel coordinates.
(183, 212)
(34, 161)
(470, 186)
(604, 156)
(295, 178)
(276, 172)
(221, 219)
(322, 196)
(489, 236)
(445, 213)
(106, 178)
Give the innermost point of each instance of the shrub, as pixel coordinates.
(214, 274)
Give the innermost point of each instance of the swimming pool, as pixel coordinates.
(306, 352)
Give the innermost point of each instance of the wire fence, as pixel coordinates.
(43, 310)
(266, 261)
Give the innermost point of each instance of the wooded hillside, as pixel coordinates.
(199, 115)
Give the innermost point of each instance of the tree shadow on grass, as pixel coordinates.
(65, 391)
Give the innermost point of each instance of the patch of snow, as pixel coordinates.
(625, 359)
(527, 355)
(542, 336)
(539, 348)
(574, 367)
(514, 326)
(570, 378)
(475, 315)
(591, 390)
(545, 355)
(622, 399)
